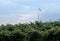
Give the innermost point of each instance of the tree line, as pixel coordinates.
(37, 31)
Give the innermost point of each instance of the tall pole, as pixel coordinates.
(39, 13)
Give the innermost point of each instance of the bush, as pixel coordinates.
(38, 31)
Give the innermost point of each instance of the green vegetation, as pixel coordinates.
(38, 31)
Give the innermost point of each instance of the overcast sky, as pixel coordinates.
(15, 11)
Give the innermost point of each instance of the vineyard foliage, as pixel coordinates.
(37, 31)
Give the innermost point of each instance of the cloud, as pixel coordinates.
(26, 18)
(12, 2)
(26, 6)
(14, 6)
(15, 11)
(17, 18)
(6, 3)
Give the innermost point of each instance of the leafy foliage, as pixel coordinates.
(37, 31)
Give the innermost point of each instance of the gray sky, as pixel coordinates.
(15, 11)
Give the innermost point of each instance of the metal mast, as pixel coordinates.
(39, 9)
(39, 13)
